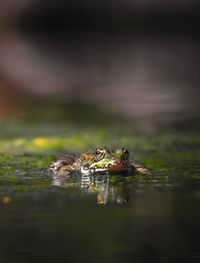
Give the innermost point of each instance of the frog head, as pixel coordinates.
(108, 161)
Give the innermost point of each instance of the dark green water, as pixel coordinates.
(151, 218)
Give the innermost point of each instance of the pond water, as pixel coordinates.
(104, 218)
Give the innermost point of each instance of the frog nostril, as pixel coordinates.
(86, 166)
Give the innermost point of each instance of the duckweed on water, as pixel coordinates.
(165, 153)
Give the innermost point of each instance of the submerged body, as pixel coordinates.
(102, 161)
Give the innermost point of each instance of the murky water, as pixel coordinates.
(104, 218)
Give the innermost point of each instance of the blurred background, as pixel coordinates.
(136, 60)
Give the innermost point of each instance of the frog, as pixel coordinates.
(101, 161)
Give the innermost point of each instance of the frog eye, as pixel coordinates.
(97, 152)
(125, 153)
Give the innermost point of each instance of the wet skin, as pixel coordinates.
(102, 161)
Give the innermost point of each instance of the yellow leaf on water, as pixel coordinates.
(41, 142)
(6, 200)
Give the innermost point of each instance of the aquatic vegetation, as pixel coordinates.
(172, 157)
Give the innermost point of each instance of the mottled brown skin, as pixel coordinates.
(69, 163)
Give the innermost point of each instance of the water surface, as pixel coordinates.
(103, 218)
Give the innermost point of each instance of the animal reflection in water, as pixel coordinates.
(102, 172)
(107, 189)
